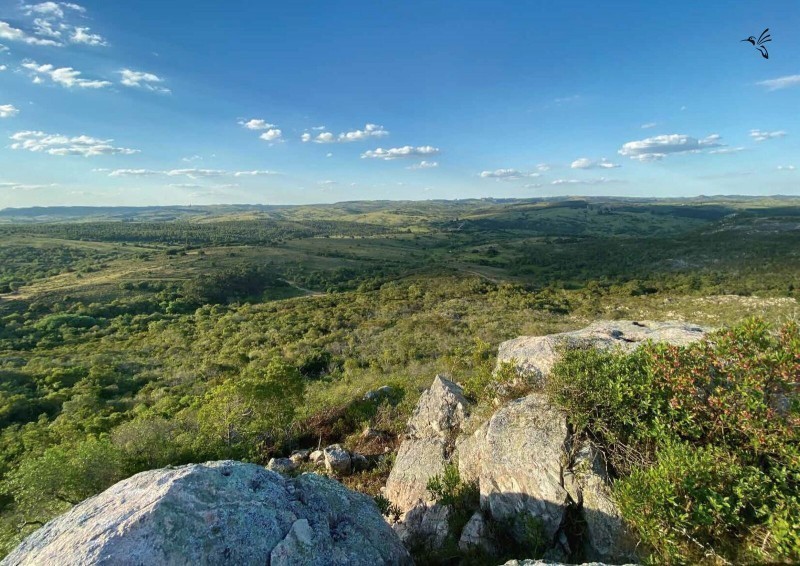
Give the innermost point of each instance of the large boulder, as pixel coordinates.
(521, 459)
(217, 513)
(608, 538)
(535, 356)
(432, 430)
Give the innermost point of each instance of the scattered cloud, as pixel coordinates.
(64, 76)
(272, 135)
(195, 173)
(786, 168)
(598, 181)
(3, 68)
(57, 144)
(781, 82)
(83, 35)
(192, 158)
(52, 9)
(761, 135)
(506, 174)
(257, 124)
(659, 147)
(543, 167)
(133, 173)
(254, 173)
(726, 150)
(649, 125)
(567, 99)
(329, 155)
(400, 152)
(586, 163)
(147, 81)
(424, 165)
(327, 183)
(13, 34)
(369, 131)
(8, 110)
(24, 187)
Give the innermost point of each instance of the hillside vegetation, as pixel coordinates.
(133, 339)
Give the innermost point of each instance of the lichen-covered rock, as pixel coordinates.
(378, 394)
(522, 457)
(608, 538)
(536, 355)
(337, 460)
(424, 526)
(299, 456)
(281, 465)
(317, 457)
(217, 513)
(432, 430)
(475, 534)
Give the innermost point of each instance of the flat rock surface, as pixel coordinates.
(217, 513)
(536, 355)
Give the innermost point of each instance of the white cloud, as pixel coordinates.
(598, 181)
(566, 99)
(52, 9)
(506, 174)
(57, 144)
(328, 155)
(272, 135)
(45, 28)
(82, 35)
(658, 147)
(586, 163)
(369, 131)
(8, 111)
(318, 128)
(257, 124)
(14, 34)
(147, 81)
(425, 165)
(543, 167)
(726, 150)
(781, 82)
(761, 135)
(253, 173)
(649, 125)
(786, 168)
(23, 187)
(195, 173)
(65, 76)
(327, 183)
(400, 152)
(133, 173)
(3, 68)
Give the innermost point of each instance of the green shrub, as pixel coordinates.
(705, 440)
(463, 498)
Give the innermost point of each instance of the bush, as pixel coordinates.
(705, 440)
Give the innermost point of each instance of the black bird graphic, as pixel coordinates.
(759, 43)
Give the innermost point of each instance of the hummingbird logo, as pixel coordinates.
(759, 43)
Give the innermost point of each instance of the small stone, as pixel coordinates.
(281, 465)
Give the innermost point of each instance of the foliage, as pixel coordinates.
(705, 439)
(463, 498)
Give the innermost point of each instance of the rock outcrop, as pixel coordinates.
(536, 355)
(430, 439)
(217, 513)
(524, 459)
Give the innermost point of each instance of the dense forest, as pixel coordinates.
(136, 339)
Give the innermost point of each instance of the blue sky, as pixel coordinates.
(145, 102)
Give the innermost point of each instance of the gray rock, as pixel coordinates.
(424, 525)
(476, 535)
(299, 456)
(536, 355)
(373, 434)
(608, 537)
(317, 457)
(379, 394)
(522, 457)
(281, 465)
(359, 461)
(432, 430)
(217, 513)
(337, 460)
